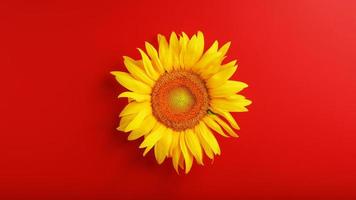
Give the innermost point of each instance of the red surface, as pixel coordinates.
(59, 109)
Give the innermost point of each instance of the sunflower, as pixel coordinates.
(178, 97)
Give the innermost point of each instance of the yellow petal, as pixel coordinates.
(154, 136)
(235, 105)
(210, 122)
(209, 70)
(147, 150)
(175, 142)
(176, 157)
(181, 162)
(204, 144)
(175, 50)
(229, 64)
(214, 68)
(148, 66)
(124, 121)
(136, 71)
(138, 120)
(150, 122)
(188, 157)
(220, 77)
(183, 42)
(208, 136)
(200, 40)
(223, 50)
(164, 53)
(162, 147)
(175, 150)
(130, 83)
(227, 116)
(193, 145)
(135, 96)
(225, 126)
(240, 98)
(135, 107)
(194, 50)
(227, 89)
(152, 52)
(209, 56)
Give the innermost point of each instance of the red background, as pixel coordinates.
(59, 109)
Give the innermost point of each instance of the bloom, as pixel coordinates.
(178, 96)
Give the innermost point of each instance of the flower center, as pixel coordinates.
(179, 100)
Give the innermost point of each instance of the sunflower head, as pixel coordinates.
(179, 96)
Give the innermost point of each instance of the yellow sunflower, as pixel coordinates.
(178, 97)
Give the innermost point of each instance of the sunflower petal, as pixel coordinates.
(200, 40)
(225, 126)
(193, 145)
(204, 144)
(148, 65)
(176, 157)
(229, 64)
(213, 125)
(223, 50)
(181, 162)
(227, 89)
(209, 137)
(147, 150)
(237, 105)
(215, 67)
(135, 107)
(164, 53)
(220, 77)
(175, 150)
(124, 121)
(183, 42)
(136, 71)
(209, 56)
(175, 142)
(138, 120)
(188, 157)
(194, 51)
(130, 83)
(154, 136)
(174, 46)
(227, 116)
(135, 96)
(163, 145)
(238, 97)
(150, 122)
(152, 52)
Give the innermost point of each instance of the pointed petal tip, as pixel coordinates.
(141, 147)
(148, 45)
(114, 73)
(146, 151)
(248, 102)
(160, 36)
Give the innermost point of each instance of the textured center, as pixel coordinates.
(179, 100)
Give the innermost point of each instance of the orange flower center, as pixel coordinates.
(179, 100)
